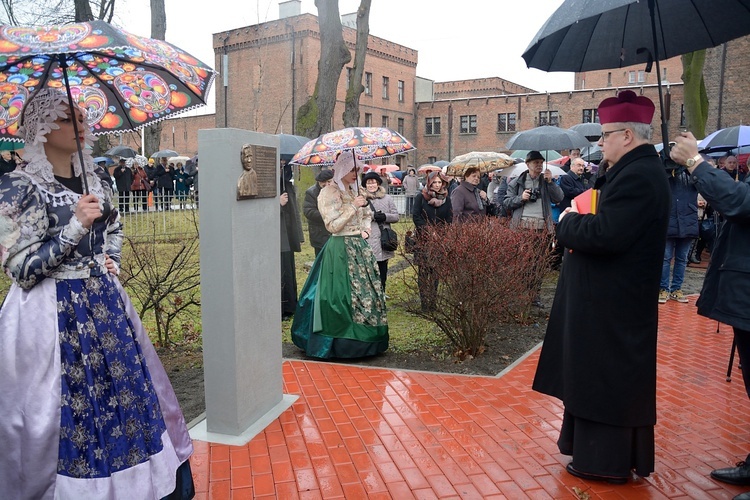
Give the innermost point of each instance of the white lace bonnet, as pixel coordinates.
(39, 116)
(343, 165)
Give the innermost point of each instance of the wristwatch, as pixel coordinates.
(691, 162)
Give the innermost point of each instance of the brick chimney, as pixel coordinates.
(349, 20)
(290, 8)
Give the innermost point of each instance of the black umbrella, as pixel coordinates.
(727, 139)
(290, 144)
(122, 152)
(587, 35)
(165, 153)
(592, 131)
(547, 137)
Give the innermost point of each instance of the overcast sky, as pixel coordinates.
(456, 40)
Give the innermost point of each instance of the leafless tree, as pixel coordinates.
(315, 115)
(152, 134)
(353, 93)
(41, 12)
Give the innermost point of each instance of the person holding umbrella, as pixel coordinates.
(341, 308)
(724, 295)
(599, 351)
(85, 404)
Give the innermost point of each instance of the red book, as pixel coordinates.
(588, 201)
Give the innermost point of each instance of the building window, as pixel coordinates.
(431, 159)
(468, 124)
(368, 83)
(554, 118)
(664, 74)
(590, 116)
(385, 121)
(609, 78)
(683, 122)
(400, 91)
(551, 118)
(631, 76)
(385, 87)
(368, 119)
(432, 126)
(641, 76)
(400, 128)
(506, 122)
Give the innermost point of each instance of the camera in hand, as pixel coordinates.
(534, 195)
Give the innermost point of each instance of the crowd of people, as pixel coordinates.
(167, 183)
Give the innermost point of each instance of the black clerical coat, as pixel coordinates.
(599, 352)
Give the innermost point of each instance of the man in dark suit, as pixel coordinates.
(599, 351)
(573, 183)
(123, 179)
(318, 233)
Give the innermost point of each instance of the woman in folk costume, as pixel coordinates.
(86, 409)
(341, 309)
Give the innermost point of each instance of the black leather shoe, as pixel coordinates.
(734, 475)
(594, 477)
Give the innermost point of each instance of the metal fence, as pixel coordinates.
(158, 216)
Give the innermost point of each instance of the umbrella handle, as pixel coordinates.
(64, 66)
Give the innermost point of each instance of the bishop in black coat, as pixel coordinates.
(599, 352)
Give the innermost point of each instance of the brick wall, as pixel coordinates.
(265, 87)
(729, 104)
(620, 77)
(569, 106)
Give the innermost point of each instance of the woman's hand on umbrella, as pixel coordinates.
(360, 201)
(284, 199)
(88, 210)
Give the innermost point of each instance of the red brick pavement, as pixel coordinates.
(372, 433)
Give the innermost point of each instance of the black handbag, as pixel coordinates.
(388, 238)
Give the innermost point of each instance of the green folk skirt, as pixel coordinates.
(341, 309)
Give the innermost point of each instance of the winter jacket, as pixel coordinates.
(380, 202)
(725, 296)
(315, 226)
(683, 217)
(513, 202)
(123, 178)
(466, 202)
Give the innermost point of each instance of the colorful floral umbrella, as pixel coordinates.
(368, 143)
(381, 168)
(485, 161)
(123, 81)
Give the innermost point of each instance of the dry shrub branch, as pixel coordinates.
(164, 278)
(487, 272)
